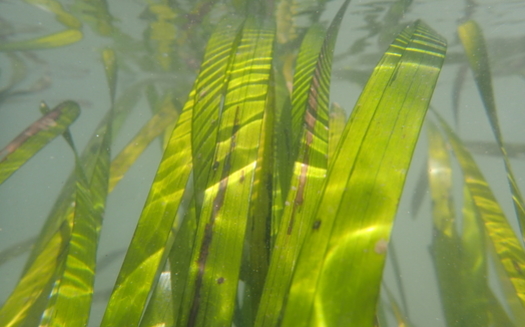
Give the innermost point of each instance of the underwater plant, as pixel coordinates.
(267, 207)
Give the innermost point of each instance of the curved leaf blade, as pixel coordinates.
(46, 42)
(310, 120)
(61, 15)
(146, 251)
(507, 246)
(71, 297)
(209, 97)
(36, 136)
(476, 50)
(213, 277)
(342, 258)
(151, 130)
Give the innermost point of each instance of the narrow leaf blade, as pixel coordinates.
(338, 274)
(36, 136)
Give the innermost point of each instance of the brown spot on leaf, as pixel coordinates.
(316, 225)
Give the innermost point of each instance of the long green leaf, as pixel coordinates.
(72, 294)
(151, 130)
(71, 297)
(507, 246)
(61, 15)
(36, 136)
(476, 50)
(28, 300)
(475, 292)
(209, 95)
(310, 101)
(160, 306)
(257, 242)
(216, 258)
(446, 244)
(63, 206)
(50, 41)
(96, 13)
(147, 249)
(338, 274)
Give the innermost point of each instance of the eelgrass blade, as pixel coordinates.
(310, 117)
(475, 292)
(71, 298)
(36, 136)
(162, 33)
(514, 150)
(498, 315)
(213, 276)
(398, 274)
(63, 206)
(257, 241)
(16, 250)
(50, 41)
(419, 192)
(110, 67)
(61, 15)
(146, 252)
(446, 247)
(476, 50)
(96, 13)
(180, 256)
(399, 314)
(151, 130)
(209, 97)
(507, 246)
(308, 61)
(160, 306)
(457, 87)
(337, 125)
(65, 264)
(28, 300)
(70, 301)
(338, 274)
(18, 74)
(290, 129)
(286, 23)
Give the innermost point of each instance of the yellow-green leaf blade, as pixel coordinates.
(476, 293)
(310, 101)
(96, 13)
(151, 130)
(476, 50)
(446, 245)
(24, 305)
(212, 285)
(36, 136)
(61, 14)
(50, 41)
(72, 294)
(209, 95)
(507, 246)
(146, 251)
(338, 273)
